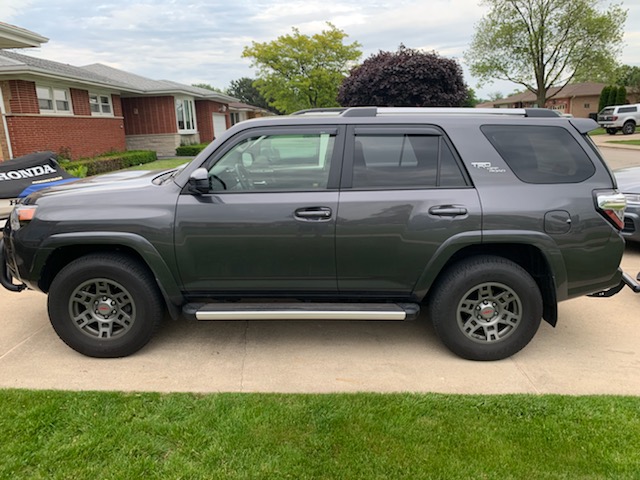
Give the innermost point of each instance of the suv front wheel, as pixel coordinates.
(486, 308)
(105, 305)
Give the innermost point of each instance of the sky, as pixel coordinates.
(201, 41)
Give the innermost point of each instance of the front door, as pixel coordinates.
(268, 223)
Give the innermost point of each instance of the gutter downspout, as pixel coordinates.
(5, 126)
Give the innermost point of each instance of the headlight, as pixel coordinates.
(632, 198)
(21, 215)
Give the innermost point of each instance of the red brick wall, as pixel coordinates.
(82, 136)
(117, 105)
(149, 115)
(204, 117)
(23, 98)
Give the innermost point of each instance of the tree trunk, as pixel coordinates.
(542, 98)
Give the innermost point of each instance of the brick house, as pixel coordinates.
(84, 111)
(577, 99)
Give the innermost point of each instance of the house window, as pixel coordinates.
(186, 115)
(100, 104)
(587, 105)
(53, 100)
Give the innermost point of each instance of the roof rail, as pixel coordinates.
(321, 111)
(381, 111)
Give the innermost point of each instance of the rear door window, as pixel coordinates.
(540, 154)
(384, 159)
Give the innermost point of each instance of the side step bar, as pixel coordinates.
(302, 311)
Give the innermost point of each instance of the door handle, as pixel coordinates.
(448, 210)
(313, 213)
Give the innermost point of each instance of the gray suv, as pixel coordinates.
(485, 218)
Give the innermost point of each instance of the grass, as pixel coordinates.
(88, 435)
(626, 142)
(163, 164)
(598, 131)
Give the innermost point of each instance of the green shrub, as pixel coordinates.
(190, 150)
(604, 97)
(621, 96)
(79, 171)
(110, 162)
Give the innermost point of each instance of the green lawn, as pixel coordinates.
(87, 435)
(626, 142)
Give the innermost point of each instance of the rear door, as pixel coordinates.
(403, 195)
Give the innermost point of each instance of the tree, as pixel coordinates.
(613, 94)
(604, 98)
(406, 78)
(545, 43)
(245, 90)
(207, 86)
(621, 95)
(628, 76)
(298, 71)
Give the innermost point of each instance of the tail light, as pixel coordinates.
(614, 118)
(611, 205)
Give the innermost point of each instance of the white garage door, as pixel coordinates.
(219, 124)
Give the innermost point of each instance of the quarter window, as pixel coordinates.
(100, 104)
(627, 109)
(298, 162)
(53, 100)
(539, 154)
(404, 161)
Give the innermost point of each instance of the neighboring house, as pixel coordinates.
(84, 111)
(577, 99)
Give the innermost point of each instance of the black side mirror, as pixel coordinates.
(199, 181)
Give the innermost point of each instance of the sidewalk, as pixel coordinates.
(607, 141)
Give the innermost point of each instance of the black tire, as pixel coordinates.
(629, 127)
(115, 300)
(486, 308)
(612, 131)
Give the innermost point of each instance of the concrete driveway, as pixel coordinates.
(594, 350)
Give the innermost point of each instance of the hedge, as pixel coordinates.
(110, 162)
(190, 150)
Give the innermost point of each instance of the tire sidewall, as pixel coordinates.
(450, 293)
(135, 282)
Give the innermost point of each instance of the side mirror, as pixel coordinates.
(199, 181)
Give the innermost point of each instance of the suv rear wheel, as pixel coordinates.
(486, 308)
(105, 305)
(629, 127)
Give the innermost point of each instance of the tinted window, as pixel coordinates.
(404, 161)
(606, 111)
(627, 109)
(540, 154)
(275, 163)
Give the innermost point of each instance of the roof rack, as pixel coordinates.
(383, 111)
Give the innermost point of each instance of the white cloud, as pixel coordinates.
(202, 41)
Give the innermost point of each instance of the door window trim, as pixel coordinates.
(335, 168)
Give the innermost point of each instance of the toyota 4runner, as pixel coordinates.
(485, 218)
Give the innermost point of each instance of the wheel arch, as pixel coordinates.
(546, 269)
(58, 250)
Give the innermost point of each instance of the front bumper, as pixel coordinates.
(6, 279)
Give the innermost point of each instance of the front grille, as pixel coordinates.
(629, 226)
